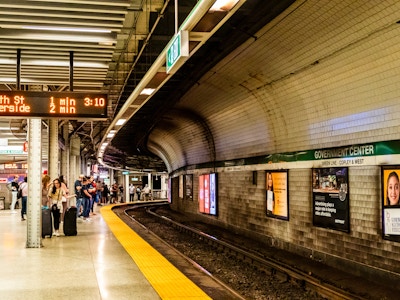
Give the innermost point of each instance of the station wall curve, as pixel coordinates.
(323, 74)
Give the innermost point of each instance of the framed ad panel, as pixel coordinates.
(189, 187)
(181, 186)
(208, 194)
(330, 188)
(390, 202)
(277, 195)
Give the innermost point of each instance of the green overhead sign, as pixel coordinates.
(177, 51)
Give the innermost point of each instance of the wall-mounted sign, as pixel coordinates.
(331, 198)
(12, 150)
(276, 186)
(391, 202)
(53, 104)
(208, 194)
(177, 51)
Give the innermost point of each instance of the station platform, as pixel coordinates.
(106, 260)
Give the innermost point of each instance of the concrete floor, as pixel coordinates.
(91, 265)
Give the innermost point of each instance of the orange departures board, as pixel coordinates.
(53, 104)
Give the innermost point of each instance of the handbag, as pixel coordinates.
(19, 193)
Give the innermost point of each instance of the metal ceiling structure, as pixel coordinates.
(113, 44)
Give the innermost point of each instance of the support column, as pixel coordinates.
(164, 186)
(126, 188)
(73, 175)
(150, 181)
(65, 152)
(53, 149)
(74, 157)
(34, 211)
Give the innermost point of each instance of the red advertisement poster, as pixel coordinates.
(201, 193)
(207, 194)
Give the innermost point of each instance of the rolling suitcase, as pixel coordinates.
(70, 222)
(47, 224)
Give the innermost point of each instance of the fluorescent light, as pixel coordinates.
(223, 5)
(120, 122)
(71, 29)
(111, 134)
(147, 91)
(62, 63)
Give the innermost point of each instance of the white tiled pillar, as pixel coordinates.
(34, 210)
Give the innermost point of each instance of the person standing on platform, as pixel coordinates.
(14, 193)
(146, 192)
(138, 192)
(55, 196)
(79, 196)
(114, 193)
(121, 193)
(99, 192)
(104, 193)
(131, 192)
(24, 190)
(86, 199)
(45, 190)
(64, 198)
(92, 190)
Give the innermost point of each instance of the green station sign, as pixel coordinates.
(177, 51)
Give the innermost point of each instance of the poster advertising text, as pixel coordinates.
(277, 194)
(208, 194)
(331, 198)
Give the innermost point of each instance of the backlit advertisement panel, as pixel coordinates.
(213, 196)
(201, 193)
(189, 187)
(331, 198)
(277, 194)
(391, 203)
(208, 194)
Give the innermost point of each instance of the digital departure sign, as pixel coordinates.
(53, 104)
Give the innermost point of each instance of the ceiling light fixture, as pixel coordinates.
(223, 5)
(70, 29)
(147, 91)
(120, 122)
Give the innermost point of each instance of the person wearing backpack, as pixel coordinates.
(14, 193)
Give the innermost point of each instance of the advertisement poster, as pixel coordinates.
(169, 191)
(208, 194)
(391, 203)
(201, 193)
(181, 186)
(331, 198)
(277, 194)
(213, 196)
(189, 187)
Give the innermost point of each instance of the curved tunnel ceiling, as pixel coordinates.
(313, 78)
(133, 138)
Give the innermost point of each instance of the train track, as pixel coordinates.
(272, 267)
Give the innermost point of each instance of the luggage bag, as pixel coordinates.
(47, 224)
(70, 222)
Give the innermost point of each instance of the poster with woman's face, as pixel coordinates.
(391, 202)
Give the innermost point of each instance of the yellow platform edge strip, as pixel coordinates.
(165, 278)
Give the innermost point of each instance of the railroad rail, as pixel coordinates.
(268, 265)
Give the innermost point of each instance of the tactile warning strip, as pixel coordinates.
(167, 280)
